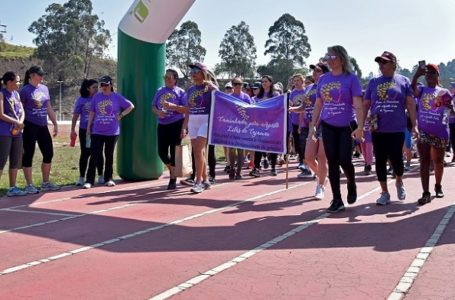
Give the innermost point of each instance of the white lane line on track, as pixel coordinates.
(38, 212)
(405, 283)
(236, 260)
(142, 232)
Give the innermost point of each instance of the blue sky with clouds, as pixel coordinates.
(412, 29)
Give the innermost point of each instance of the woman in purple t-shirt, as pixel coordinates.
(434, 103)
(266, 91)
(338, 102)
(168, 105)
(387, 97)
(103, 128)
(82, 107)
(37, 106)
(11, 125)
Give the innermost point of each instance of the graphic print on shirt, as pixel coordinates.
(386, 91)
(38, 97)
(331, 92)
(194, 95)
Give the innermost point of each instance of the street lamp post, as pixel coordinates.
(60, 101)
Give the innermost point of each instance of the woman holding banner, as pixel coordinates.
(266, 91)
(198, 99)
(167, 104)
(237, 83)
(338, 97)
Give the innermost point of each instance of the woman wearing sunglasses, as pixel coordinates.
(37, 106)
(103, 128)
(434, 105)
(89, 88)
(338, 103)
(169, 107)
(11, 125)
(198, 99)
(387, 97)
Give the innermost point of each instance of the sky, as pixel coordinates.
(411, 29)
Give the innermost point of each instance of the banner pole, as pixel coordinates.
(287, 140)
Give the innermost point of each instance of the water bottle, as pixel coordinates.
(88, 142)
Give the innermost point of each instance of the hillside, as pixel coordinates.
(13, 51)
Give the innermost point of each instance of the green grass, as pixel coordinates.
(13, 51)
(65, 165)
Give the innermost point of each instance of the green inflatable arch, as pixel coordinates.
(142, 35)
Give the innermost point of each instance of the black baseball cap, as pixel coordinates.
(323, 67)
(37, 70)
(106, 79)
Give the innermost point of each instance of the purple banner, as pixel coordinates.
(259, 126)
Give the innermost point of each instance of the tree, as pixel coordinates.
(238, 52)
(281, 70)
(184, 47)
(68, 36)
(287, 41)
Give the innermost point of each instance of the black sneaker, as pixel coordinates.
(352, 193)
(367, 170)
(273, 172)
(188, 181)
(172, 184)
(438, 191)
(426, 198)
(335, 206)
(255, 173)
(212, 179)
(227, 169)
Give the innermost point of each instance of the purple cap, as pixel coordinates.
(200, 66)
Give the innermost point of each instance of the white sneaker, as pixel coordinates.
(197, 188)
(87, 185)
(101, 179)
(383, 199)
(80, 182)
(110, 183)
(319, 194)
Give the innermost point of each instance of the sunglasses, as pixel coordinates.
(331, 57)
(236, 83)
(104, 84)
(195, 70)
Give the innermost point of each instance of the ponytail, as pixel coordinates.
(27, 77)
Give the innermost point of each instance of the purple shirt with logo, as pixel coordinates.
(433, 111)
(309, 100)
(11, 108)
(198, 100)
(296, 98)
(388, 97)
(82, 108)
(337, 94)
(243, 96)
(173, 95)
(35, 101)
(106, 109)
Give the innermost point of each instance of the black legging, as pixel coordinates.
(258, 156)
(34, 133)
(338, 150)
(97, 142)
(388, 145)
(168, 138)
(85, 155)
(298, 146)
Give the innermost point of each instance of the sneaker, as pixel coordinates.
(172, 185)
(352, 193)
(305, 174)
(49, 186)
(266, 164)
(101, 179)
(15, 191)
(401, 192)
(227, 169)
(255, 173)
(206, 184)
(273, 172)
(301, 166)
(319, 194)
(197, 188)
(110, 183)
(384, 199)
(80, 182)
(238, 177)
(335, 206)
(31, 189)
(188, 181)
(367, 170)
(438, 191)
(426, 198)
(87, 186)
(212, 179)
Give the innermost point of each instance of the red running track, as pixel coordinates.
(248, 239)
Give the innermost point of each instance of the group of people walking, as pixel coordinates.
(24, 113)
(329, 113)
